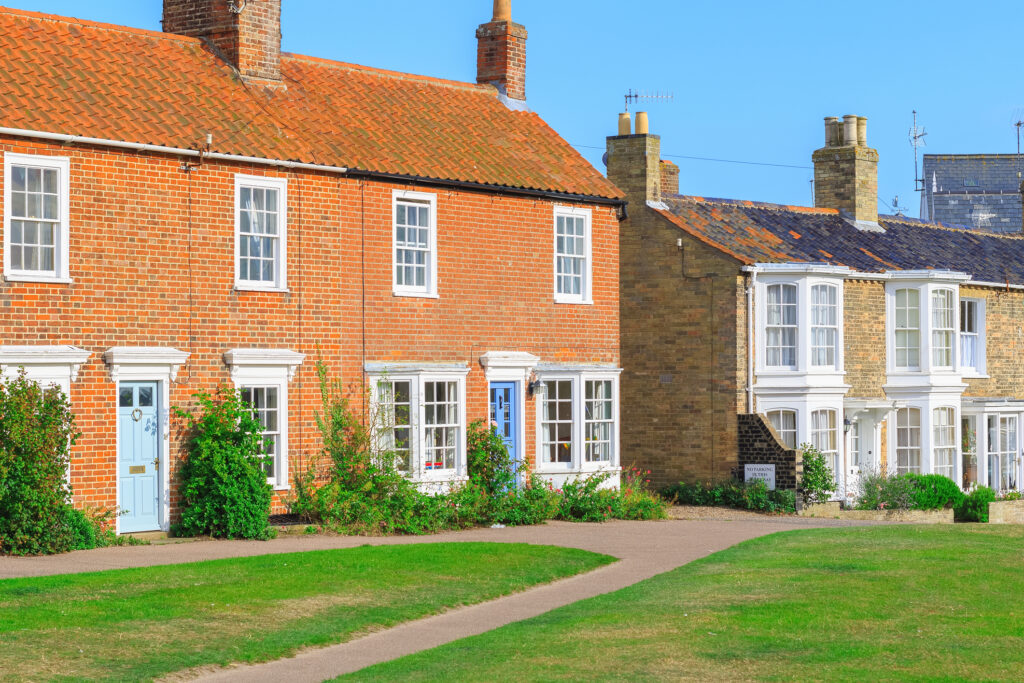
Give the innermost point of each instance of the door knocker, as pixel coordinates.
(137, 414)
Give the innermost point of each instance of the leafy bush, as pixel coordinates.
(534, 503)
(224, 487)
(754, 495)
(817, 480)
(638, 501)
(583, 500)
(488, 461)
(882, 491)
(974, 506)
(935, 492)
(1012, 495)
(37, 430)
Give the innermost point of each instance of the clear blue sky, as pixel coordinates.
(752, 80)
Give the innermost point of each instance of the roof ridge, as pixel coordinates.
(400, 75)
(750, 203)
(921, 223)
(75, 21)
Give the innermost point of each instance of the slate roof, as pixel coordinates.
(753, 232)
(62, 75)
(977, 191)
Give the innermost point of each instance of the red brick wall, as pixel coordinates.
(501, 57)
(251, 40)
(152, 259)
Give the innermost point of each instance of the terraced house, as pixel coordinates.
(750, 329)
(194, 208)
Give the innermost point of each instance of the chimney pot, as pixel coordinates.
(643, 126)
(862, 131)
(625, 124)
(502, 10)
(849, 130)
(831, 124)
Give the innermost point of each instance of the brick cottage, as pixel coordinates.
(195, 208)
(749, 328)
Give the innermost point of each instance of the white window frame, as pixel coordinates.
(922, 311)
(782, 326)
(926, 285)
(832, 455)
(978, 369)
(835, 308)
(418, 378)
(921, 446)
(586, 289)
(953, 447)
(429, 290)
(269, 368)
(578, 461)
(62, 252)
(795, 431)
(952, 330)
(280, 283)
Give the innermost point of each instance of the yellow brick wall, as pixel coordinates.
(864, 337)
(1004, 341)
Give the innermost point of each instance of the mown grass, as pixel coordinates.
(139, 624)
(863, 604)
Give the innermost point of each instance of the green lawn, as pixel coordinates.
(905, 603)
(141, 623)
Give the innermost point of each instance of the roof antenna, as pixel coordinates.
(1018, 125)
(896, 208)
(917, 136)
(644, 96)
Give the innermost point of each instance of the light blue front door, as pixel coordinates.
(505, 416)
(138, 459)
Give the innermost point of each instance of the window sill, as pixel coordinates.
(255, 288)
(42, 279)
(281, 489)
(975, 376)
(415, 295)
(577, 302)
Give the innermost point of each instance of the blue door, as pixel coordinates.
(505, 415)
(138, 458)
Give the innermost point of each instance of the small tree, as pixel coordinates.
(817, 481)
(224, 486)
(488, 460)
(37, 430)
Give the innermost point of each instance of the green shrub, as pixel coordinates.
(638, 501)
(37, 430)
(883, 491)
(817, 481)
(488, 461)
(974, 506)
(935, 492)
(583, 500)
(534, 503)
(753, 495)
(1012, 495)
(224, 487)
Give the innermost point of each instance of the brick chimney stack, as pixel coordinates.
(634, 161)
(846, 169)
(246, 32)
(501, 53)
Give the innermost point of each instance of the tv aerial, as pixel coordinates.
(917, 136)
(637, 96)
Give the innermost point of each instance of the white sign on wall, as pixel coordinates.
(765, 473)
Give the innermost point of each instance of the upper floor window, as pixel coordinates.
(781, 326)
(415, 244)
(572, 255)
(261, 217)
(972, 336)
(824, 325)
(943, 328)
(908, 329)
(784, 423)
(36, 240)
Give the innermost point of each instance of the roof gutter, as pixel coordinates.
(279, 163)
(160, 149)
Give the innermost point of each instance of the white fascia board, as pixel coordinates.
(578, 367)
(414, 368)
(929, 275)
(797, 268)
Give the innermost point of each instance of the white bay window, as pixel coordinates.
(577, 420)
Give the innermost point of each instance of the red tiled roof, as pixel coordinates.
(67, 76)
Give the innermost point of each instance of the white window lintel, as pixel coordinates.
(267, 360)
(125, 362)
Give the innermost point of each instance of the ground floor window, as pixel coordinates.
(577, 421)
(1002, 452)
(908, 440)
(969, 449)
(824, 437)
(784, 423)
(943, 441)
(419, 421)
(261, 377)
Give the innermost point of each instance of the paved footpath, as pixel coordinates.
(644, 549)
